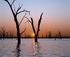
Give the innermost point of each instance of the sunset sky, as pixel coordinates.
(56, 16)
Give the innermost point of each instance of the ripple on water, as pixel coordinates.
(45, 48)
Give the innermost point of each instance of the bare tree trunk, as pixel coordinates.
(38, 29)
(18, 37)
(15, 13)
(18, 31)
(36, 38)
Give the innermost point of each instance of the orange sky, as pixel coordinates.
(56, 16)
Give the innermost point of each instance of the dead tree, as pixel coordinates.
(15, 14)
(38, 28)
(49, 36)
(59, 34)
(3, 32)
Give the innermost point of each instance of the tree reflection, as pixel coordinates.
(36, 49)
(18, 52)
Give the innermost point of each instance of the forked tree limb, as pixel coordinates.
(32, 23)
(18, 8)
(10, 6)
(22, 11)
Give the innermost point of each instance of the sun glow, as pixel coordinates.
(33, 34)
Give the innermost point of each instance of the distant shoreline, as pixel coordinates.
(33, 37)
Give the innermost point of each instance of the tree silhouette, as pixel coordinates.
(49, 36)
(3, 32)
(15, 14)
(59, 34)
(32, 24)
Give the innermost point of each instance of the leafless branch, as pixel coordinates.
(5, 0)
(12, 2)
(39, 22)
(23, 31)
(28, 20)
(19, 8)
(10, 6)
(32, 23)
(14, 9)
(22, 11)
(22, 19)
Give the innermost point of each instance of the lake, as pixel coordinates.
(45, 48)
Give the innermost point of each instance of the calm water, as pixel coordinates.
(45, 48)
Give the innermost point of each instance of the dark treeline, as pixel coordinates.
(10, 35)
(5, 34)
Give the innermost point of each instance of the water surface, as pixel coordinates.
(45, 48)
